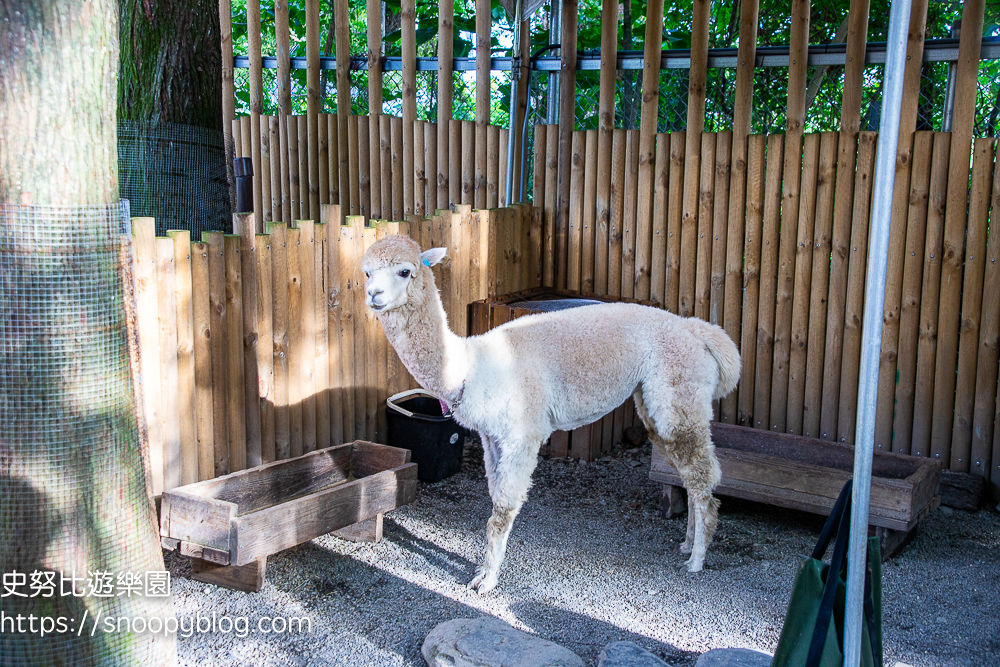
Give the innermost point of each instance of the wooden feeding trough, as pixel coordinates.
(588, 442)
(807, 474)
(231, 524)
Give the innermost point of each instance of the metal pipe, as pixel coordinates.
(555, 37)
(515, 75)
(871, 333)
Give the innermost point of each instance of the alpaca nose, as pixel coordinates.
(374, 291)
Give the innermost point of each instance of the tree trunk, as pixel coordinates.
(73, 492)
(171, 62)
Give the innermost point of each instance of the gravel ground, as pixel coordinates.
(591, 561)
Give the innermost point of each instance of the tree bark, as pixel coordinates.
(171, 62)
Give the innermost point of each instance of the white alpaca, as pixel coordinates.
(518, 383)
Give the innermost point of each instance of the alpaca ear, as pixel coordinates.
(432, 256)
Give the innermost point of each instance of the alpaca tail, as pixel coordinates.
(726, 355)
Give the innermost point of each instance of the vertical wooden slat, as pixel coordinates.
(768, 281)
(949, 321)
(294, 188)
(502, 168)
(372, 360)
(220, 355)
(675, 210)
(385, 150)
(307, 341)
(751, 274)
(345, 156)
(279, 177)
(484, 21)
(419, 175)
(361, 412)
(374, 24)
(909, 315)
(280, 346)
(296, 352)
(236, 403)
(256, 103)
(201, 323)
(551, 195)
(333, 158)
(538, 193)
(347, 268)
(147, 316)
(519, 194)
(619, 139)
(468, 162)
(366, 193)
(567, 123)
(264, 131)
(606, 116)
(333, 310)
(799, 331)
(374, 166)
(265, 347)
(695, 124)
(324, 157)
(396, 156)
(661, 183)
(493, 166)
(237, 141)
(186, 405)
(321, 383)
(647, 147)
(244, 226)
(411, 157)
(629, 201)
(169, 404)
(246, 137)
(228, 89)
(445, 92)
(854, 305)
(381, 386)
(575, 226)
(589, 212)
(706, 206)
(972, 304)
(284, 84)
(723, 148)
(923, 397)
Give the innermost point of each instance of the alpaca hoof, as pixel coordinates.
(685, 547)
(483, 584)
(694, 565)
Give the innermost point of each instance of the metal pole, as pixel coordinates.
(871, 335)
(948, 113)
(555, 37)
(515, 76)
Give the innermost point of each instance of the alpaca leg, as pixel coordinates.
(509, 490)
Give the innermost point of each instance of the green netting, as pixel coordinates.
(77, 528)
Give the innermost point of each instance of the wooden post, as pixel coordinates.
(169, 405)
(385, 151)
(695, 124)
(751, 273)
(469, 162)
(267, 197)
(419, 173)
(147, 303)
(348, 187)
(768, 281)
(244, 225)
(409, 57)
(201, 314)
(280, 340)
(265, 347)
(286, 140)
(374, 164)
(186, 405)
(628, 213)
(619, 139)
(589, 210)
(454, 162)
(567, 123)
(966, 88)
(314, 105)
(675, 208)
(720, 219)
(484, 21)
(549, 206)
(256, 102)
(321, 356)
(228, 89)
(334, 314)
(398, 195)
(647, 146)
(706, 202)
(446, 87)
(374, 16)
(218, 343)
(236, 404)
(574, 228)
(661, 183)
(279, 168)
(606, 115)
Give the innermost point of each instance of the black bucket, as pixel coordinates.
(434, 439)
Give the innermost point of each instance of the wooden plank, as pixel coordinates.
(411, 156)
(923, 398)
(236, 403)
(984, 424)
(307, 342)
(695, 124)
(314, 105)
(768, 282)
(279, 187)
(245, 139)
(909, 316)
(280, 343)
(751, 276)
(799, 330)
(567, 123)
(366, 193)
(605, 138)
(247, 578)
(493, 166)
(264, 346)
(723, 148)
(854, 305)
(147, 319)
(185, 396)
(430, 167)
(454, 162)
(305, 195)
(385, 150)
(661, 183)
(372, 361)
(398, 195)
(333, 144)
(342, 31)
(321, 382)
(228, 87)
(574, 230)
(202, 328)
(616, 225)
(374, 24)
(484, 23)
(972, 304)
(629, 206)
(356, 277)
(352, 166)
(244, 226)
(419, 174)
(256, 103)
(589, 213)
(549, 205)
(469, 162)
(294, 189)
(323, 126)
(706, 206)
(348, 268)
(647, 149)
(284, 85)
(374, 167)
(220, 355)
(445, 92)
(296, 343)
(502, 168)
(333, 312)
(675, 210)
(267, 199)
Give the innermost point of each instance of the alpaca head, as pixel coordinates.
(396, 272)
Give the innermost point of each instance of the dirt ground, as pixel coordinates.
(590, 561)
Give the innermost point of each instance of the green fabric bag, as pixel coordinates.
(813, 634)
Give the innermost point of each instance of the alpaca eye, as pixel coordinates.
(405, 273)
(368, 274)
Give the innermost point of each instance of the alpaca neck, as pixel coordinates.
(435, 356)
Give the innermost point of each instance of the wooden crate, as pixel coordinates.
(808, 474)
(588, 442)
(231, 524)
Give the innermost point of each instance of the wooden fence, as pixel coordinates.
(297, 170)
(259, 347)
(786, 278)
